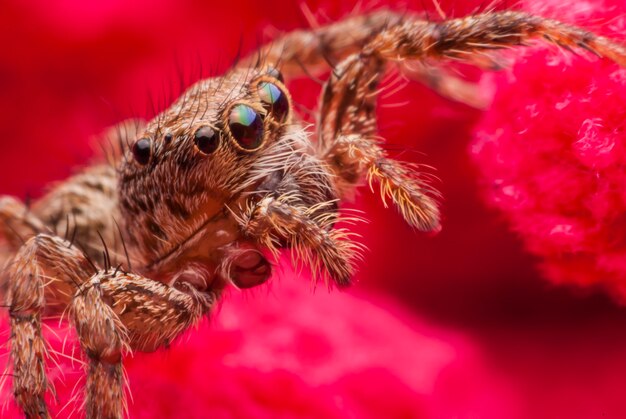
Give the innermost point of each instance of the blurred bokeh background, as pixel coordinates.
(522, 347)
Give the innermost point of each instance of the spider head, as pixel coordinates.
(196, 166)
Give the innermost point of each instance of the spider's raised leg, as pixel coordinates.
(273, 221)
(112, 310)
(396, 36)
(463, 38)
(309, 52)
(348, 142)
(347, 136)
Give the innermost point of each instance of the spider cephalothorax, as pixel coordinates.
(209, 191)
(191, 184)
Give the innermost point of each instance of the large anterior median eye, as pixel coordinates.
(274, 100)
(246, 127)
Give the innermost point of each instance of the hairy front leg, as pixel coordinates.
(349, 143)
(307, 231)
(102, 337)
(116, 312)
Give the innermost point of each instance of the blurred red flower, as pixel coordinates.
(289, 353)
(551, 152)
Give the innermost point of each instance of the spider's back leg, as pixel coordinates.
(310, 52)
(17, 222)
(463, 38)
(112, 310)
(41, 274)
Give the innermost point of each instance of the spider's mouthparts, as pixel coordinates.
(249, 268)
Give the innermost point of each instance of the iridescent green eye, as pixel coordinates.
(246, 127)
(274, 100)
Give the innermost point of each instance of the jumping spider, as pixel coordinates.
(206, 193)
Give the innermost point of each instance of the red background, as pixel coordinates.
(70, 69)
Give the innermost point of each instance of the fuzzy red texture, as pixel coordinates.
(551, 153)
(519, 349)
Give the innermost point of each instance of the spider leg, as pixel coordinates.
(116, 312)
(103, 337)
(37, 279)
(17, 222)
(397, 36)
(309, 52)
(446, 84)
(349, 145)
(304, 51)
(112, 311)
(465, 37)
(276, 221)
(347, 122)
(400, 36)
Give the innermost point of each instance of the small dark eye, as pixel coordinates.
(274, 100)
(246, 127)
(273, 72)
(167, 138)
(142, 150)
(206, 139)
